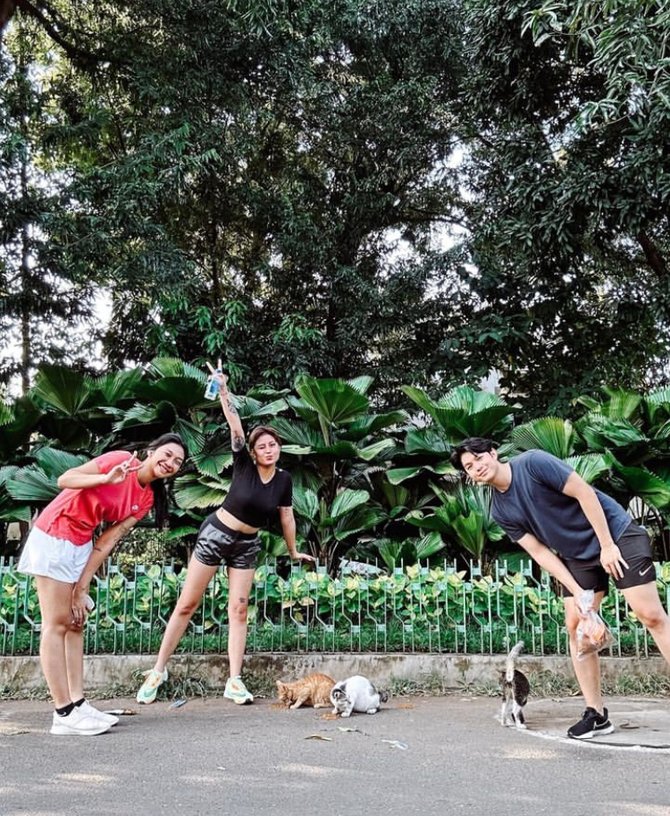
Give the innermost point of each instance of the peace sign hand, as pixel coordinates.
(119, 472)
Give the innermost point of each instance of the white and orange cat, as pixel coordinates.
(312, 690)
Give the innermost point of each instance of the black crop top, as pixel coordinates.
(251, 501)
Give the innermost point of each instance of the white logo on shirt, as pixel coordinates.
(135, 507)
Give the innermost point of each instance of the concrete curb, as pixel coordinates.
(23, 674)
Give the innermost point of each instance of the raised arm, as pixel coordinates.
(229, 409)
(231, 415)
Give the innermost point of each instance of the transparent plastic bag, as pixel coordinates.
(593, 634)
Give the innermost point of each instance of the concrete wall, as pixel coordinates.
(23, 674)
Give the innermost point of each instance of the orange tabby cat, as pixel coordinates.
(311, 690)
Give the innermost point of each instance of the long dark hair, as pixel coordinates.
(158, 485)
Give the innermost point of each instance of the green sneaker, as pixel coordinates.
(237, 692)
(147, 692)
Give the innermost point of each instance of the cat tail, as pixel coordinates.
(511, 657)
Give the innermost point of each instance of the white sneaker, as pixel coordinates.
(76, 723)
(92, 711)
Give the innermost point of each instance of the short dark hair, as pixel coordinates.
(261, 430)
(473, 444)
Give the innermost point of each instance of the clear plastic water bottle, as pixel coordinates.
(212, 387)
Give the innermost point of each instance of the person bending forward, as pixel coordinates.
(579, 535)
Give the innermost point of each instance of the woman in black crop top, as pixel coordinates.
(259, 492)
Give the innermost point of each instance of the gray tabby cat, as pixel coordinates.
(515, 689)
(356, 694)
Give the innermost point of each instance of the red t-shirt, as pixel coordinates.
(74, 514)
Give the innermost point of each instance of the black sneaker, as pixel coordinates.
(591, 724)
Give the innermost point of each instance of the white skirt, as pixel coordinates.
(53, 557)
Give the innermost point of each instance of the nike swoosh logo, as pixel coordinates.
(645, 571)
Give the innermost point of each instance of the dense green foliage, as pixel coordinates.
(367, 485)
(417, 609)
(417, 190)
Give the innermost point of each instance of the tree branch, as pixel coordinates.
(48, 18)
(651, 252)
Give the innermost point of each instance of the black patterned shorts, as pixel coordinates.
(218, 544)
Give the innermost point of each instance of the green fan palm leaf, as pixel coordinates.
(305, 503)
(357, 520)
(33, 486)
(197, 493)
(590, 466)
(61, 388)
(464, 412)
(346, 501)
(335, 401)
(550, 434)
(116, 387)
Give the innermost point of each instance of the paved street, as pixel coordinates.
(212, 757)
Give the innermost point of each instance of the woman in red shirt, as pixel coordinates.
(259, 492)
(118, 489)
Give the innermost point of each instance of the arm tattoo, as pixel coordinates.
(97, 549)
(238, 443)
(231, 407)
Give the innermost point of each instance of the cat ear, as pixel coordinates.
(280, 685)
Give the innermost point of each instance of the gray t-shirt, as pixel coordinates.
(535, 503)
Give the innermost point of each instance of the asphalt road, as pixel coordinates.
(212, 757)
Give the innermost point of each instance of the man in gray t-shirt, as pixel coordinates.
(579, 535)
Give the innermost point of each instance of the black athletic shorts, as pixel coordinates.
(636, 552)
(218, 544)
